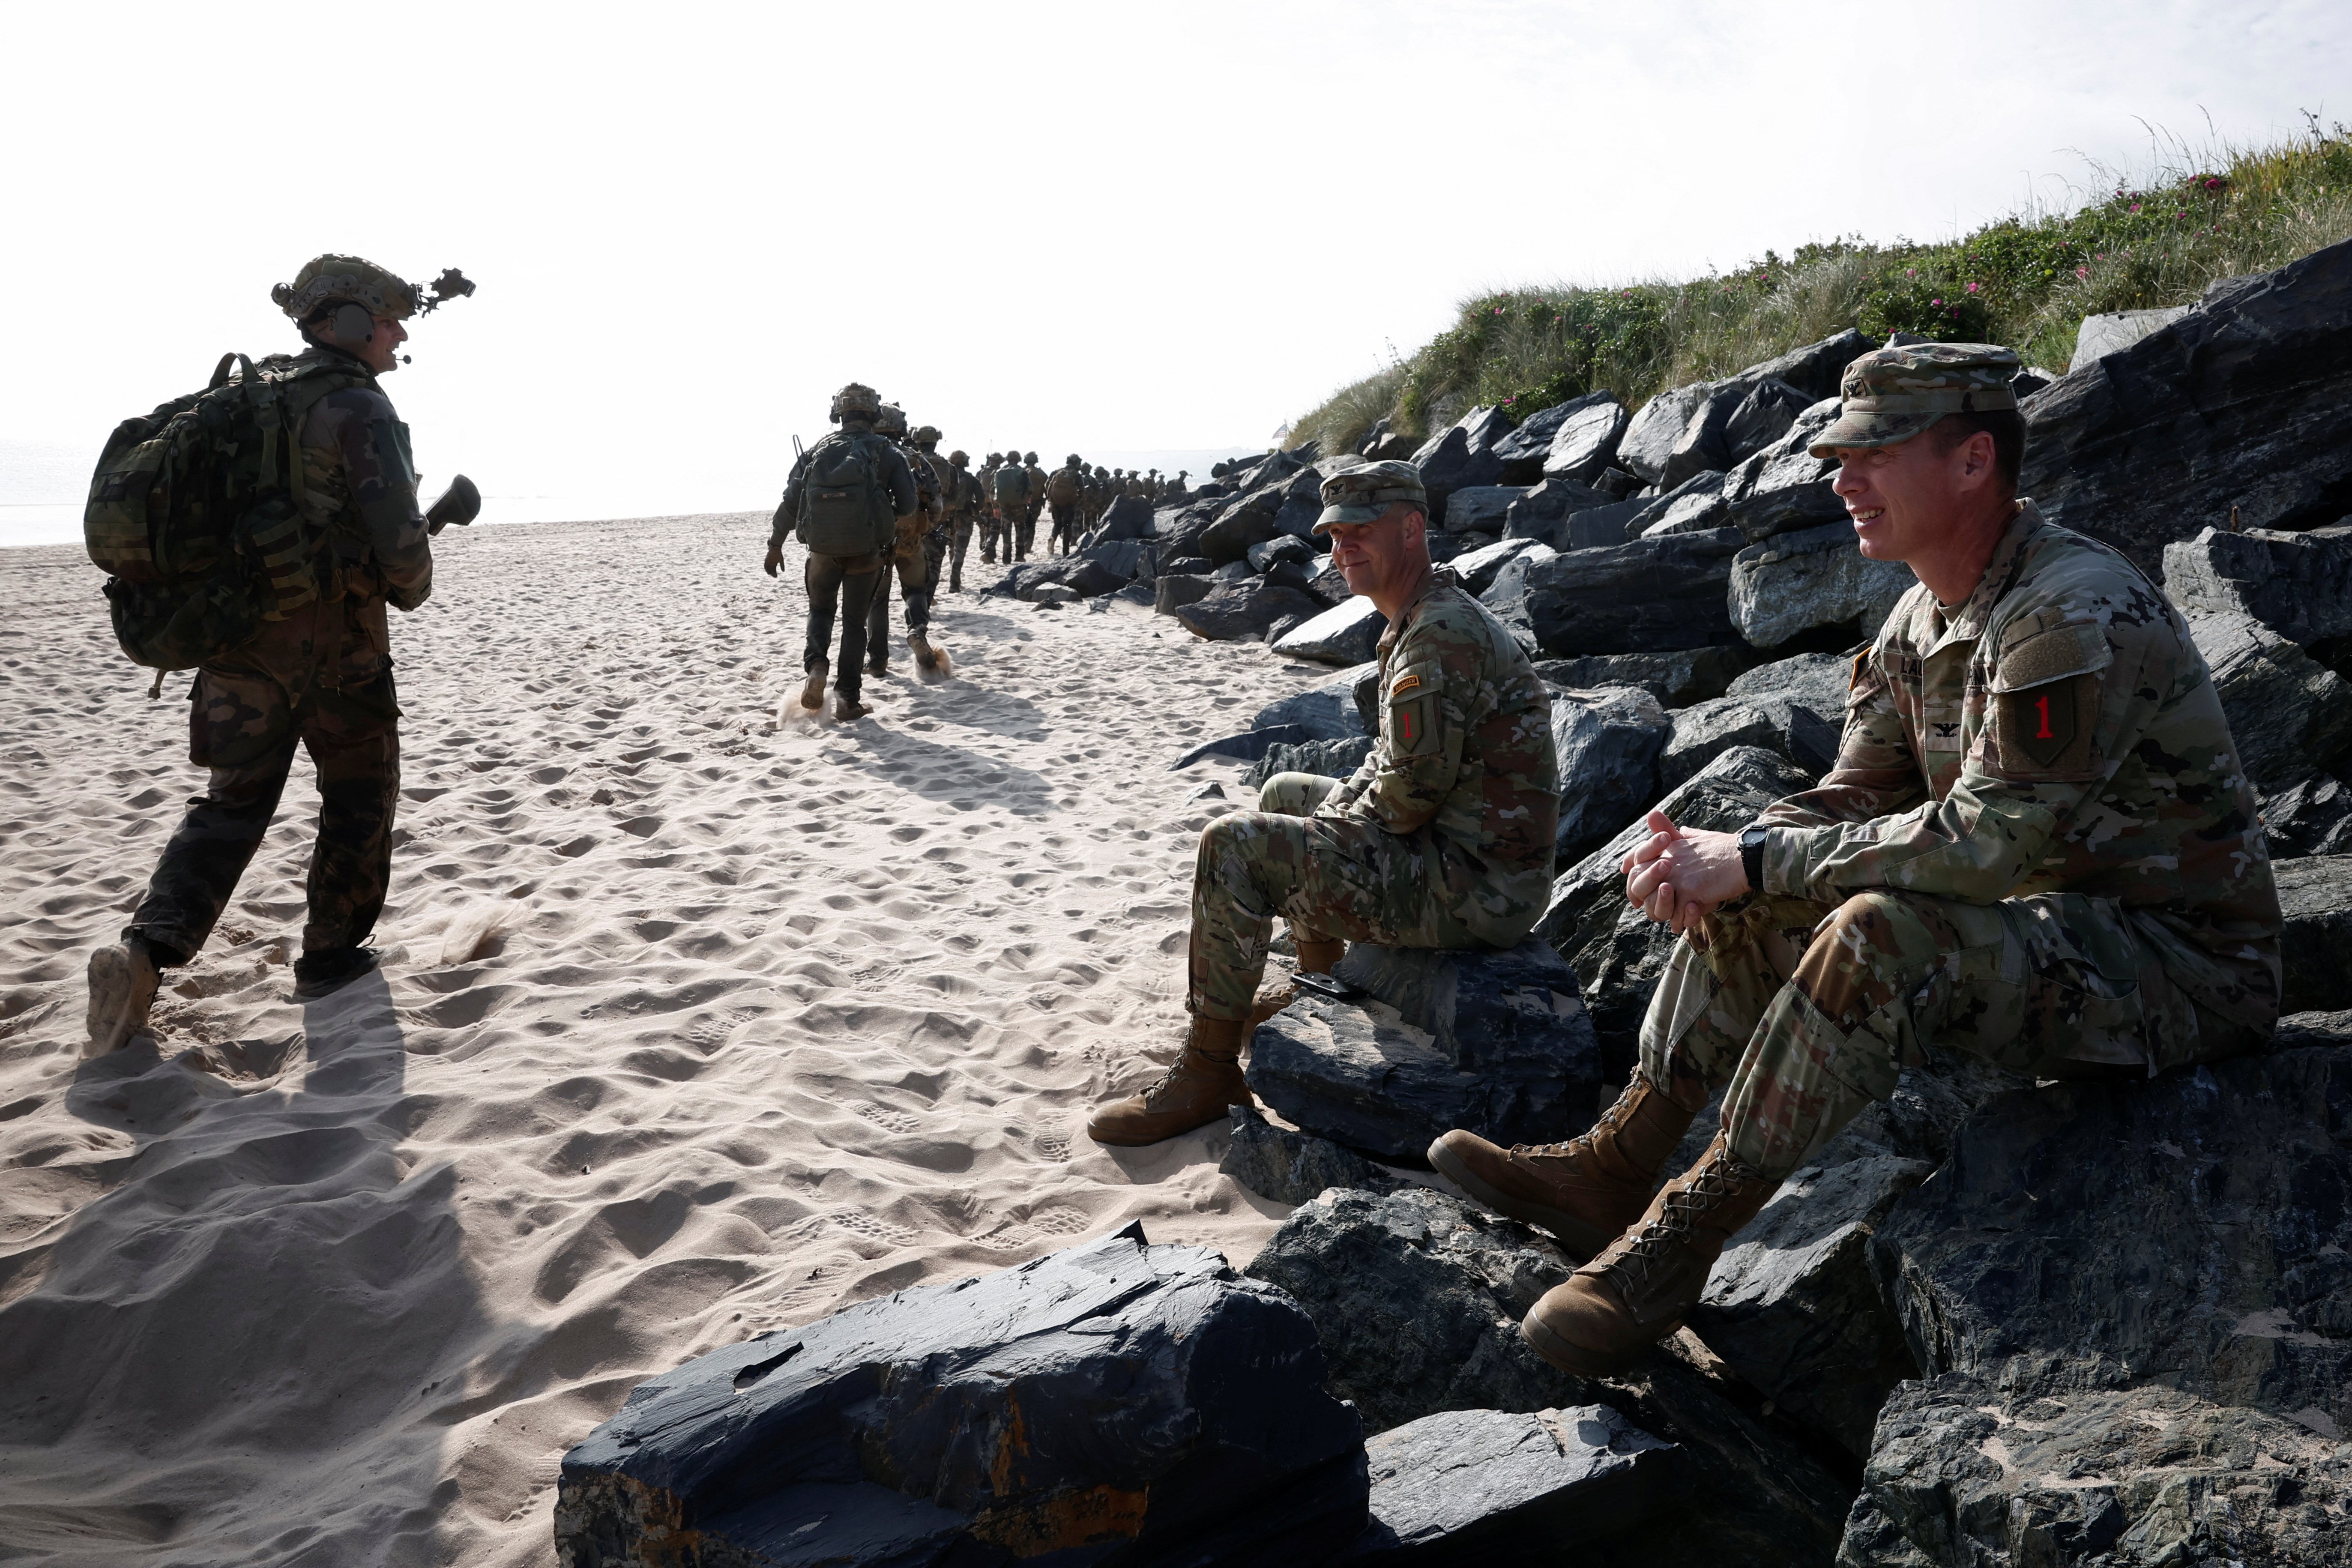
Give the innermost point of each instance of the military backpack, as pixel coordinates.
(195, 511)
(1012, 487)
(842, 510)
(1061, 489)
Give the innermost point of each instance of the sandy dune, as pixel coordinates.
(691, 1026)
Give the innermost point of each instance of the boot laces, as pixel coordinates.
(1679, 1215)
(1611, 1118)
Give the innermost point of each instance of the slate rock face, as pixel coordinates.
(1542, 512)
(1088, 1401)
(1462, 456)
(1481, 508)
(1496, 1042)
(1247, 747)
(1617, 953)
(1477, 568)
(1417, 1297)
(1173, 591)
(1606, 743)
(2288, 712)
(1818, 681)
(1784, 724)
(1650, 436)
(1244, 610)
(1288, 1166)
(1586, 442)
(1128, 517)
(1348, 633)
(2244, 402)
(1691, 506)
(1799, 583)
(2297, 585)
(2315, 897)
(1487, 1487)
(2312, 815)
(1676, 679)
(1650, 595)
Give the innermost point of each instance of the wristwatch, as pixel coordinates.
(1751, 856)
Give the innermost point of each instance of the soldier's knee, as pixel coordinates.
(1292, 795)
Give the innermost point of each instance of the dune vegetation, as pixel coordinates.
(2026, 280)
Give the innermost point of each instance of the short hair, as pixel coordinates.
(2005, 426)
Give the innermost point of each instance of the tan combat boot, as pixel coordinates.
(1193, 1093)
(812, 693)
(846, 708)
(1314, 958)
(1585, 1191)
(124, 981)
(925, 658)
(1638, 1290)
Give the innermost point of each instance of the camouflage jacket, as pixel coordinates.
(1036, 484)
(1077, 485)
(2058, 732)
(1465, 754)
(898, 478)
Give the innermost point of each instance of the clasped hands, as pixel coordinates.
(1679, 875)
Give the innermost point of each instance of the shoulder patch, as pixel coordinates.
(1406, 684)
(2035, 652)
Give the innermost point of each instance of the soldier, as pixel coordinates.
(848, 490)
(1066, 489)
(1008, 496)
(951, 482)
(1098, 495)
(1035, 503)
(1135, 485)
(909, 556)
(1442, 838)
(2037, 846)
(961, 519)
(320, 678)
(988, 522)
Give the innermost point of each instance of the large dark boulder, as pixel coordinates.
(1460, 456)
(1800, 584)
(1606, 743)
(1586, 442)
(2312, 815)
(1618, 953)
(1326, 709)
(2297, 585)
(1496, 1042)
(1681, 431)
(1330, 759)
(1348, 633)
(1488, 1488)
(1694, 505)
(1244, 610)
(1788, 724)
(1417, 1297)
(1650, 436)
(2243, 405)
(1481, 508)
(1287, 1166)
(2288, 712)
(1170, 591)
(1137, 1404)
(1648, 596)
(1476, 570)
(1245, 747)
(1676, 679)
(2316, 896)
(1128, 517)
(1249, 522)
(1083, 575)
(1542, 512)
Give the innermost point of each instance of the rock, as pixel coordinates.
(1820, 680)
(1481, 508)
(2190, 1229)
(1125, 559)
(1695, 418)
(1816, 369)
(2288, 712)
(1461, 457)
(1801, 582)
(1607, 743)
(1692, 505)
(1483, 1489)
(2244, 403)
(1762, 416)
(1089, 1399)
(1586, 441)
(2312, 815)
(1416, 1298)
(1348, 633)
(1526, 450)
(1475, 569)
(1650, 436)
(1786, 725)
(1701, 447)
(1542, 513)
(1327, 711)
(1966, 1472)
(1333, 759)
(1784, 488)
(2297, 585)
(2316, 896)
(1233, 572)
(1367, 695)
(1128, 517)
(1596, 526)
(1496, 1042)
(1245, 747)
(1286, 1166)
(1227, 540)
(1617, 953)
(1791, 1305)
(1264, 557)
(2117, 330)
(1172, 591)
(1244, 610)
(1676, 679)
(1648, 596)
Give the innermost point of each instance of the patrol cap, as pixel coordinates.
(1890, 394)
(1363, 495)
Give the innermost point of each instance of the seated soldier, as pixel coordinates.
(2036, 846)
(1442, 838)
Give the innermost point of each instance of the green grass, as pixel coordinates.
(2026, 280)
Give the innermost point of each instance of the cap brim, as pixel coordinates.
(1332, 514)
(1869, 430)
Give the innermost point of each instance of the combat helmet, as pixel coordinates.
(1029, 457)
(856, 401)
(959, 457)
(927, 437)
(891, 420)
(1076, 462)
(332, 279)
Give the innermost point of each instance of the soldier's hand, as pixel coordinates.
(1678, 875)
(775, 559)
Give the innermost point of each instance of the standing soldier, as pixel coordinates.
(1136, 485)
(1066, 489)
(951, 480)
(1009, 496)
(318, 677)
(1098, 496)
(1035, 503)
(908, 557)
(844, 500)
(960, 521)
(986, 480)
(2038, 846)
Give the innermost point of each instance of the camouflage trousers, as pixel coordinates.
(1024, 534)
(1330, 877)
(245, 728)
(959, 548)
(1065, 531)
(1810, 1011)
(846, 581)
(992, 533)
(914, 589)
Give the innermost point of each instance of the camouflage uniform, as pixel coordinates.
(1442, 838)
(1035, 504)
(962, 515)
(845, 581)
(989, 524)
(1068, 516)
(910, 558)
(319, 679)
(2037, 846)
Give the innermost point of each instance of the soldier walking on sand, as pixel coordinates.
(2037, 846)
(319, 678)
(1442, 839)
(843, 502)
(1066, 491)
(1008, 497)
(1035, 503)
(986, 480)
(908, 557)
(961, 517)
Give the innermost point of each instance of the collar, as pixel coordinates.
(1439, 577)
(1968, 622)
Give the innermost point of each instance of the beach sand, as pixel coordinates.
(691, 1026)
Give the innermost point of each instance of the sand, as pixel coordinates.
(691, 1026)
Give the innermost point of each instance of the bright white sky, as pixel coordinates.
(1110, 228)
